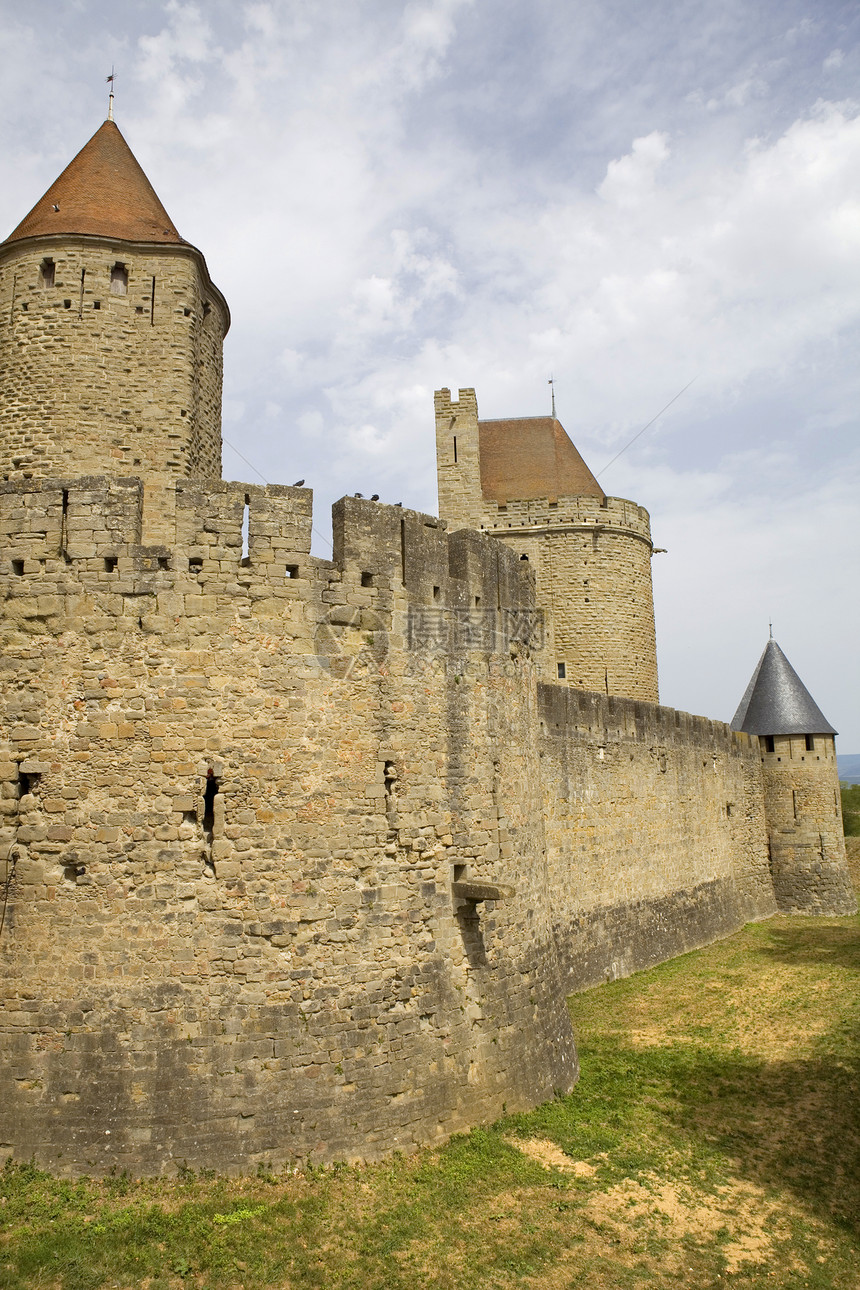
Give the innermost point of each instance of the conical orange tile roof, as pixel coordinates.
(103, 192)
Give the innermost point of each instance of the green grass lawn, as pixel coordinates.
(713, 1140)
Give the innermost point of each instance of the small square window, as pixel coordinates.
(18, 568)
(292, 570)
(367, 580)
(110, 563)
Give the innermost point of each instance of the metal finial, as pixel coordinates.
(551, 382)
(770, 625)
(110, 80)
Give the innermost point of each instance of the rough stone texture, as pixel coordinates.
(95, 382)
(591, 556)
(655, 832)
(804, 821)
(852, 856)
(280, 971)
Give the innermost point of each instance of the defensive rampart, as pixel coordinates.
(277, 881)
(656, 838)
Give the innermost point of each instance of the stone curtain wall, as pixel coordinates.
(656, 838)
(804, 816)
(97, 382)
(247, 825)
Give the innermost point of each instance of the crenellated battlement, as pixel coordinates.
(71, 551)
(565, 514)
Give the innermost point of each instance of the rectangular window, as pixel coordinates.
(119, 280)
(47, 272)
(810, 743)
(768, 743)
(562, 671)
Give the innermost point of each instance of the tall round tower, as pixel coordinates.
(111, 335)
(523, 480)
(803, 811)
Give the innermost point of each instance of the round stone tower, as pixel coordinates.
(523, 480)
(111, 335)
(803, 811)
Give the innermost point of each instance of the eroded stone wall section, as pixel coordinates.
(236, 805)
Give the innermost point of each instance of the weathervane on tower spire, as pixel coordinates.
(551, 383)
(110, 80)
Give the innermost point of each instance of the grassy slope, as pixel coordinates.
(712, 1140)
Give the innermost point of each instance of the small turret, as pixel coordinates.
(801, 787)
(111, 334)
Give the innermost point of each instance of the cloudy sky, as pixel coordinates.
(631, 196)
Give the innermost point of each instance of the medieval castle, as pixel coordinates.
(300, 857)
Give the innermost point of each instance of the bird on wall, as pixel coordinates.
(375, 497)
(298, 483)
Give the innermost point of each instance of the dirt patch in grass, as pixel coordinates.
(549, 1155)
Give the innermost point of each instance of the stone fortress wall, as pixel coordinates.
(656, 838)
(345, 949)
(294, 877)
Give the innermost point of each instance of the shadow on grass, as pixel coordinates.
(786, 1125)
(837, 944)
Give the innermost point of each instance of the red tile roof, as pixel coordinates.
(531, 457)
(103, 192)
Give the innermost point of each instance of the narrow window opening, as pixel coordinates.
(455, 450)
(64, 524)
(606, 679)
(210, 792)
(67, 304)
(246, 529)
(561, 668)
(367, 580)
(27, 782)
(110, 563)
(292, 570)
(25, 307)
(187, 312)
(47, 272)
(728, 809)
(152, 304)
(81, 296)
(477, 602)
(403, 552)
(97, 304)
(437, 593)
(810, 743)
(119, 280)
(459, 871)
(18, 568)
(195, 564)
(207, 309)
(164, 562)
(794, 801)
(768, 743)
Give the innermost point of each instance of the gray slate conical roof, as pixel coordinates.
(776, 702)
